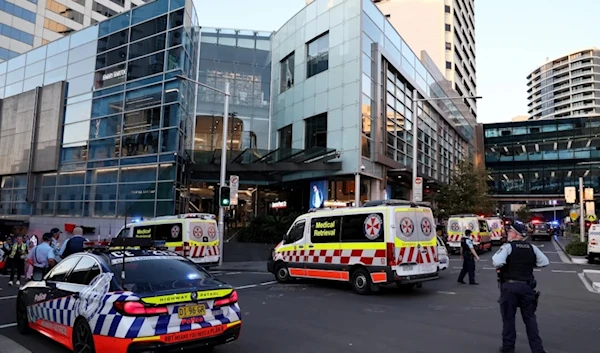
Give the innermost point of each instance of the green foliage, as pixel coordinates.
(266, 229)
(576, 248)
(467, 192)
(524, 214)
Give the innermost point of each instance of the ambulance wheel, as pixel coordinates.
(282, 273)
(83, 341)
(361, 281)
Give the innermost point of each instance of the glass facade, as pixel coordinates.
(242, 58)
(127, 118)
(537, 157)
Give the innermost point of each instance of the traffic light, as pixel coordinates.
(224, 199)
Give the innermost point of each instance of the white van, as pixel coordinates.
(443, 259)
(458, 224)
(496, 229)
(391, 241)
(593, 243)
(193, 235)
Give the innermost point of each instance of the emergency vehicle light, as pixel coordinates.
(135, 308)
(231, 299)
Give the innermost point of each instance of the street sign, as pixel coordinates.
(418, 189)
(234, 184)
(570, 194)
(588, 194)
(591, 217)
(574, 214)
(590, 208)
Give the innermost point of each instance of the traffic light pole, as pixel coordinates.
(224, 139)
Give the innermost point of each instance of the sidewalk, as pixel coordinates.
(562, 244)
(9, 346)
(245, 266)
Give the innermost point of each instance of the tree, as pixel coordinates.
(524, 214)
(466, 192)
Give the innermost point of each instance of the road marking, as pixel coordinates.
(8, 325)
(444, 292)
(564, 271)
(550, 252)
(537, 270)
(586, 284)
(8, 297)
(256, 285)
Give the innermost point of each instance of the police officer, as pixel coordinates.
(516, 261)
(468, 255)
(42, 257)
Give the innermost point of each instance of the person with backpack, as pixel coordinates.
(74, 244)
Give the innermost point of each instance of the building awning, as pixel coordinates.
(263, 165)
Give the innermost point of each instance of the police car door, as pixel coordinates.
(425, 231)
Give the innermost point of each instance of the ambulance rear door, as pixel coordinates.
(471, 223)
(455, 232)
(407, 242)
(425, 231)
(202, 237)
(495, 228)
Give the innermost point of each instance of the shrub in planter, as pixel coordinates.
(576, 248)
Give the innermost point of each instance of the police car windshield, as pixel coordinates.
(144, 274)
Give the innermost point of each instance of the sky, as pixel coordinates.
(513, 38)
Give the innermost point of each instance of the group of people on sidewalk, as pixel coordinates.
(28, 257)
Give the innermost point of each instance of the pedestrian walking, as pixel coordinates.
(516, 261)
(468, 255)
(42, 258)
(74, 244)
(17, 256)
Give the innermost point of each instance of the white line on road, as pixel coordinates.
(489, 268)
(8, 297)
(8, 325)
(564, 271)
(537, 270)
(444, 292)
(586, 284)
(256, 285)
(550, 252)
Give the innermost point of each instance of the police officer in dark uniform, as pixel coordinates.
(468, 254)
(515, 261)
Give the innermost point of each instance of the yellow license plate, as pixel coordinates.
(185, 312)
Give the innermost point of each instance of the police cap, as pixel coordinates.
(47, 236)
(519, 228)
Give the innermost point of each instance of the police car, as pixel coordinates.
(130, 299)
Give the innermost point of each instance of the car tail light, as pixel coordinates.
(391, 254)
(134, 308)
(231, 299)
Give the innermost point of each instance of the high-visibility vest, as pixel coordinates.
(14, 250)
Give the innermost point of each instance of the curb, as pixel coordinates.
(9, 346)
(595, 285)
(577, 260)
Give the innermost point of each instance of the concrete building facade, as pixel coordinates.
(27, 24)
(566, 87)
(445, 29)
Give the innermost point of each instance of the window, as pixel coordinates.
(295, 233)
(113, 41)
(448, 28)
(103, 10)
(483, 226)
(6, 54)
(316, 131)
(56, 27)
(59, 272)
(317, 59)
(16, 34)
(285, 137)
(170, 232)
(287, 73)
(363, 228)
(448, 65)
(325, 230)
(64, 11)
(447, 9)
(17, 11)
(448, 46)
(86, 270)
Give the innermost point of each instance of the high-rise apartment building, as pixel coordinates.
(26, 24)
(445, 29)
(565, 87)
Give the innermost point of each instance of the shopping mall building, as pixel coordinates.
(108, 123)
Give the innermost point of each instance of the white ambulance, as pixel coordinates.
(458, 224)
(390, 241)
(496, 229)
(193, 235)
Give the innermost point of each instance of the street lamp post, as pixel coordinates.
(415, 132)
(223, 172)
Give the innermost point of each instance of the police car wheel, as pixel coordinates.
(22, 319)
(361, 281)
(83, 341)
(282, 273)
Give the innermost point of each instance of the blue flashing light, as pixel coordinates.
(555, 223)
